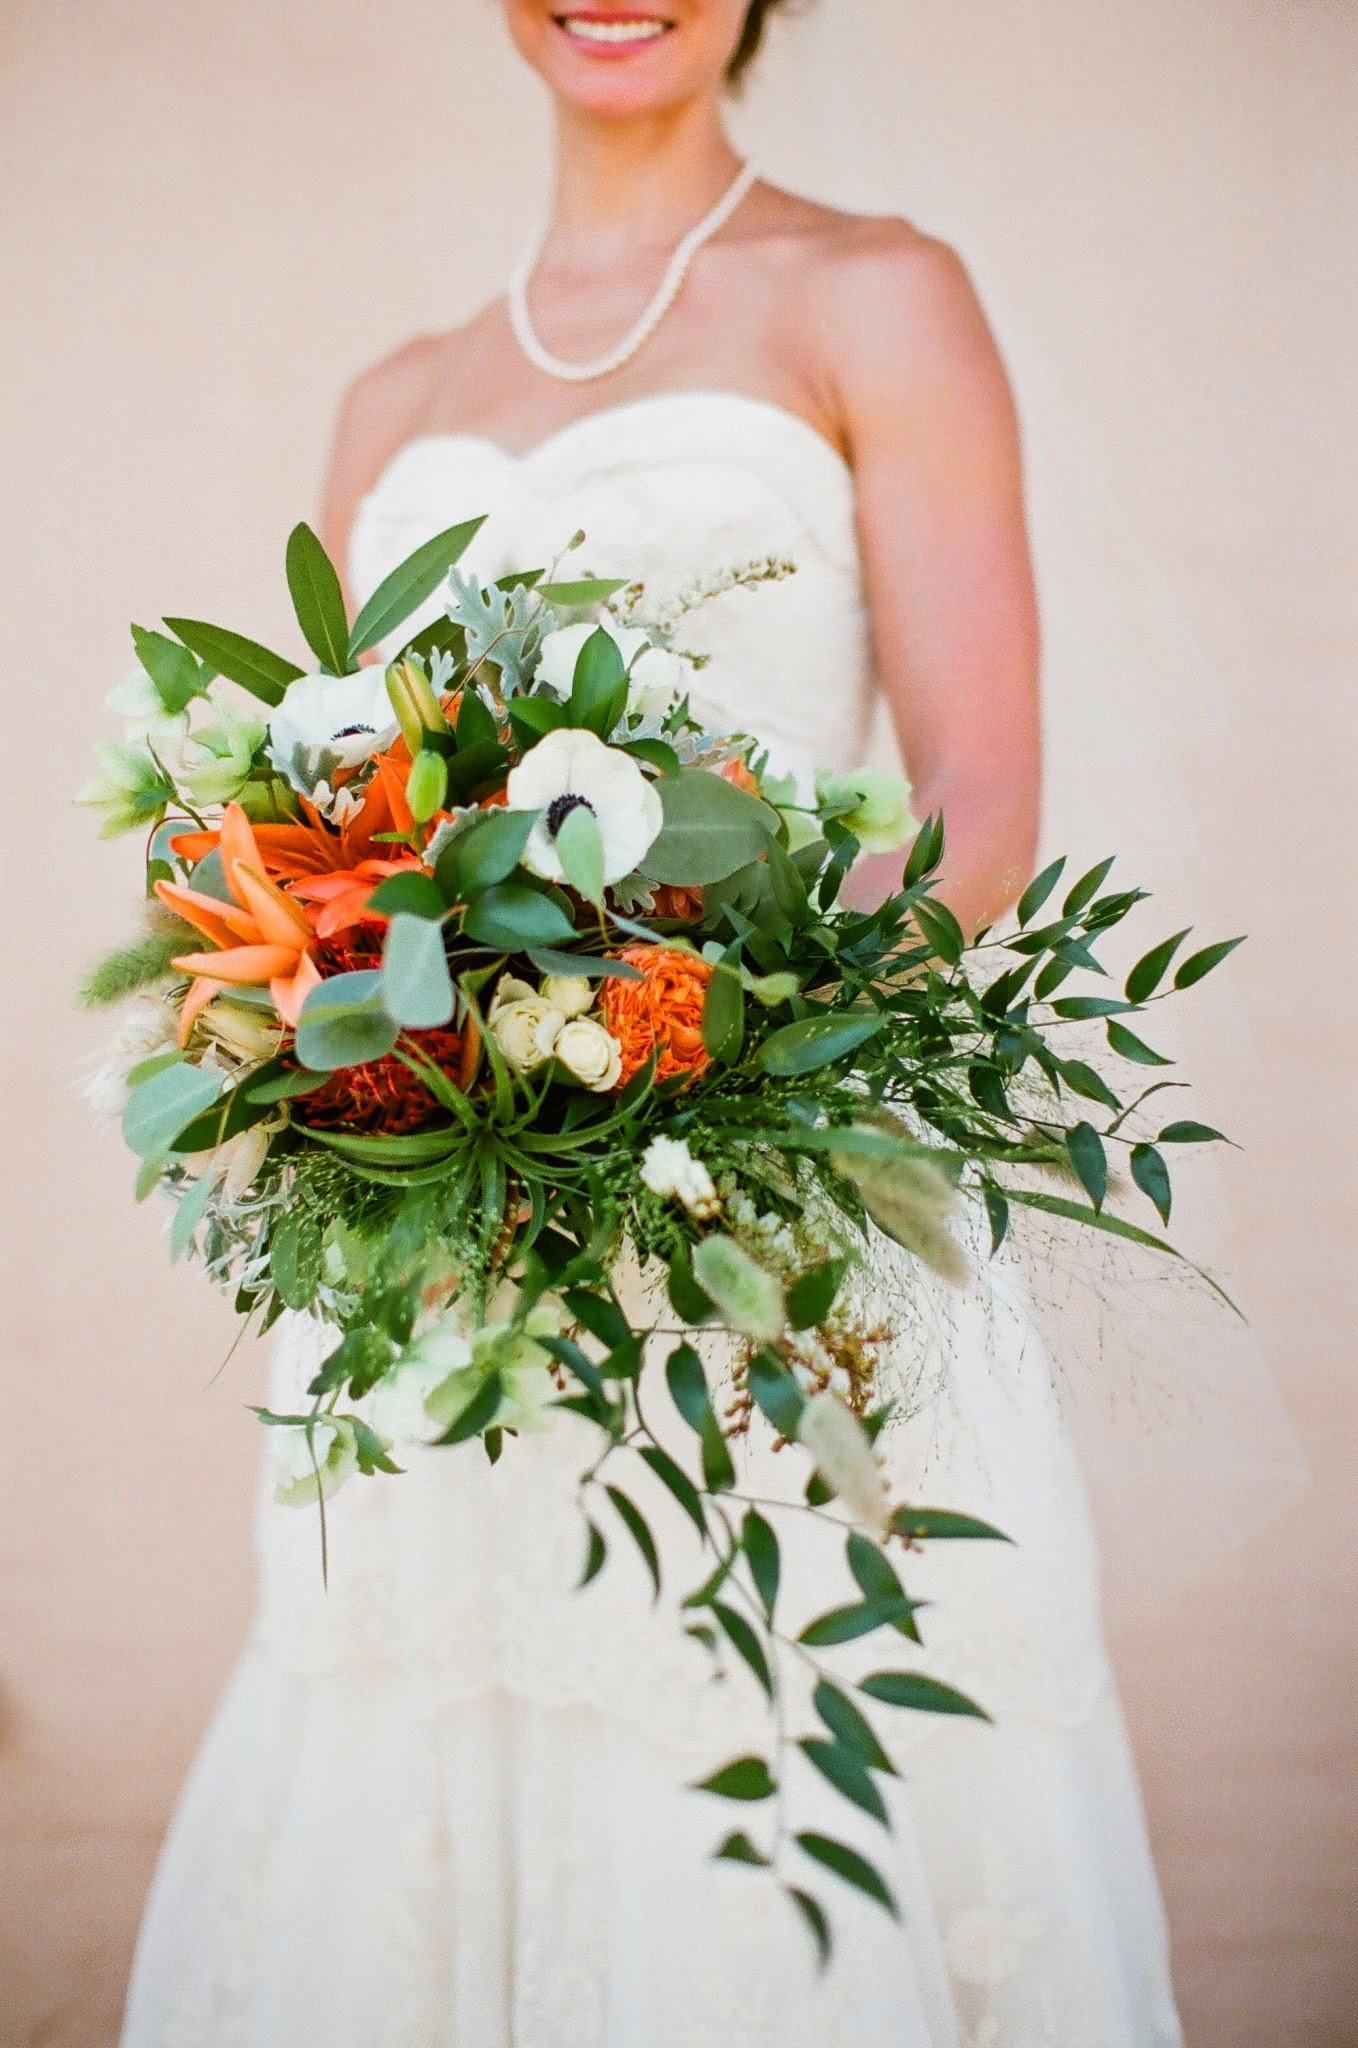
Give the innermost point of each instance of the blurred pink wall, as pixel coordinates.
(213, 217)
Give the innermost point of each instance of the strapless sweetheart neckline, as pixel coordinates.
(782, 416)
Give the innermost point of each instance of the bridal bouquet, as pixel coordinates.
(483, 990)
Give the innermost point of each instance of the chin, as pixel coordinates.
(625, 61)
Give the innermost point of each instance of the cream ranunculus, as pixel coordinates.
(343, 717)
(589, 1054)
(571, 767)
(572, 994)
(525, 1027)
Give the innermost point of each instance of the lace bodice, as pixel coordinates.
(668, 489)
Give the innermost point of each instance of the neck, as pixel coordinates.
(626, 185)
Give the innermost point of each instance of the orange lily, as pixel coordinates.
(344, 893)
(261, 937)
(286, 852)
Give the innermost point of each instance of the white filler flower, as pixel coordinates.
(346, 716)
(668, 1169)
(572, 767)
(657, 677)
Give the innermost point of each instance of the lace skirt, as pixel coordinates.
(444, 1804)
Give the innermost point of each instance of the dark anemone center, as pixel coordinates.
(349, 732)
(561, 807)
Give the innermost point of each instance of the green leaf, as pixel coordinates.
(849, 1727)
(317, 599)
(811, 1295)
(1198, 964)
(599, 684)
(745, 1642)
(1151, 968)
(738, 1848)
(848, 1864)
(940, 929)
(690, 1302)
(1151, 1175)
(687, 1383)
(724, 1013)
(921, 1695)
(191, 1205)
(159, 1108)
(1086, 889)
(1129, 1047)
(874, 1573)
(264, 674)
(1186, 1132)
(933, 1525)
(673, 1476)
(997, 1214)
(844, 1769)
(761, 1549)
(345, 1023)
(478, 1414)
(1084, 1080)
(814, 1042)
(776, 1393)
(814, 1916)
(586, 964)
(842, 1625)
(639, 1530)
(747, 1778)
(595, 1554)
(511, 916)
(586, 590)
(1084, 1149)
(414, 893)
(1038, 890)
(173, 670)
(580, 846)
(417, 989)
(295, 1251)
(408, 585)
(789, 890)
(491, 851)
(711, 828)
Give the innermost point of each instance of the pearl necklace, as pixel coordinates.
(636, 337)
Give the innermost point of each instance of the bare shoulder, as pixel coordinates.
(890, 319)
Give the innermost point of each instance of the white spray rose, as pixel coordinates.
(572, 994)
(525, 1028)
(670, 1170)
(589, 1053)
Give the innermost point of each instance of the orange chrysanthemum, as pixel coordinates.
(663, 1012)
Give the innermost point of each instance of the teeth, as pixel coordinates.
(636, 31)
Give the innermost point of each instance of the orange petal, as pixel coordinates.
(248, 965)
(201, 993)
(280, 921)
(221, 922)
(193, 845)
(238, 841)
(290, 991)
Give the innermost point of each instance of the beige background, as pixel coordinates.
(213, 215)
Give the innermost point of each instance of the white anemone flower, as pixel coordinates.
(656, 675)
(571, 767)
(346, 717)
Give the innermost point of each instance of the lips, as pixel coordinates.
(612, 34)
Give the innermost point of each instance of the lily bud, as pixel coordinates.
(428, 785)
(413, 700)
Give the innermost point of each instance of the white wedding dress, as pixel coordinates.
(443, 1805)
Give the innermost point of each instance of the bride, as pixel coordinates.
(441, 1805)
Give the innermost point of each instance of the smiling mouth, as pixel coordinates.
(613, 31)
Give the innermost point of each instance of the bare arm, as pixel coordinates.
(934, 442)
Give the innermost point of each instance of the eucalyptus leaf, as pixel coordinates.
(511, 916)
(417, 989)
(711, 828)
(345, 1023)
